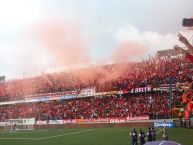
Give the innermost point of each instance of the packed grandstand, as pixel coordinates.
(121, 90)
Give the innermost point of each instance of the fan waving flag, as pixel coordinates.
(189, 57)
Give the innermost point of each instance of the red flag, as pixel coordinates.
(189, 57)
(184, 98)
(186, 112)
(189, 107)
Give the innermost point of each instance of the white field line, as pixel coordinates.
(160, 131)
(29, 131)
(23, 131)
(35, 130)
(161, 142)
(49, 137)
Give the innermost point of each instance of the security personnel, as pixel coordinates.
(153, 134)
(149, 135)
(142, 137)
(165, 135)
(133, 135)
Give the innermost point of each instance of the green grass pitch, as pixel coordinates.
(105, 136)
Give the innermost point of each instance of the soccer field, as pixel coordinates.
(105, 136)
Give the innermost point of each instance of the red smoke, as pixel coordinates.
(121, 55)
(67, 46)
(63, 40)
(127, 51)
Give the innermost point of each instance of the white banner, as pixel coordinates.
(2, 123)
(86, 92)
(117, 120)
(140, 90)
(29, 121)
(41, 122)
(56, 122)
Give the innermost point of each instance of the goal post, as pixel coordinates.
(20, 124)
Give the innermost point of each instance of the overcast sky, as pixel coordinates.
(103, 26)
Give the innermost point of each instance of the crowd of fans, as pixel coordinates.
(154, 104)
(154, 72)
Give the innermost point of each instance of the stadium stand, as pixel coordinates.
(155, 72)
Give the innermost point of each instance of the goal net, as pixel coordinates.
(19, 124)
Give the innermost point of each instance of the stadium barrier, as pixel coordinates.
(98, 123)
(86, 92)
(116, 122)
(113, 123)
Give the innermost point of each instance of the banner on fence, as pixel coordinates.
(164, 124)
(2, 123)
(141, 90)
(117, 120)
(134, 118)
(94, 120)
(41, 122)
(55, 122)
(86, 92)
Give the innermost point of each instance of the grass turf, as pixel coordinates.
(105, 136)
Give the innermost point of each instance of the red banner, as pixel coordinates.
(137, 118)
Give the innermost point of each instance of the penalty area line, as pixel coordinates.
(49, 137)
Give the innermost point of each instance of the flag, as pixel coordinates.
(189, 106)
(186, 112)
(184, 98)
(189, 57)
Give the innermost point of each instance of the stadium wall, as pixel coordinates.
(131, 124)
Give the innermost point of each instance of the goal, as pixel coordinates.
(20, 124)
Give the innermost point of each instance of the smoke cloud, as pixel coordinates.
(63, 41)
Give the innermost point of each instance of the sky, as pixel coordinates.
(36, 35)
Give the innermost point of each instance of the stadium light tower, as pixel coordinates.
(188, 22)
(171, 81)
(150, 102)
